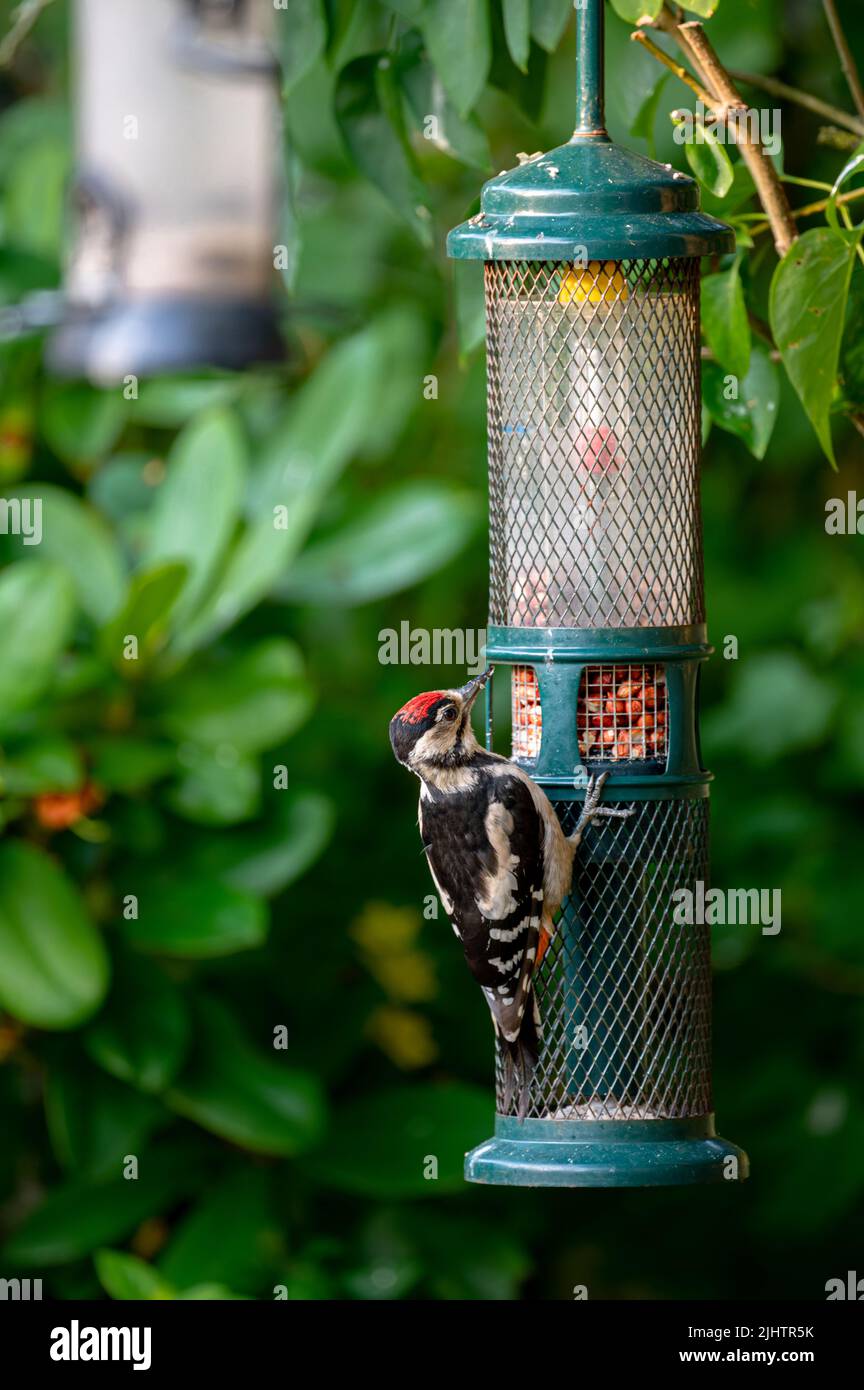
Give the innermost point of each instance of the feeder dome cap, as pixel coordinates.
(589, 198)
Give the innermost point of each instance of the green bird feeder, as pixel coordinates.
(591, 257)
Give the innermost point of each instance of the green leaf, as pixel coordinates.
(707, 158)
(93, 1121)
(75, 536)
(145, 615)
(408, 9)
(142, 1033)
(128, 764)
(646, 117)
(470, 306)
(210, 1293)
(264, 860)
(705, 8)
(851, 369)
(735, 199)
(377, 147)
(809, 292)
(122, 491)
(405, 535)
(778, 706)
(170, 402)
(751, 411)
(198, 505)
(43, 764)
(231, 1237)
(724, 318)
(526, 90)
(635, 11)
(458, 42)
(250, 702)
(853, 166)
(34, 197)
(327, 422)
(218, 787)
(402, 336)
(549, 20)
(301, 37)
(75, 1219)
(246, 1096)
(80, 423)
(379, 1145)
(195, 918)
(462, 138)
(517, 28)
(124, 1276)
(53, 964)
(37, 609)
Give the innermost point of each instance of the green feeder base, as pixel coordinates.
(605, 1153)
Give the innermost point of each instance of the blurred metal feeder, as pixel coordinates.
(177, 189)
(596, 595)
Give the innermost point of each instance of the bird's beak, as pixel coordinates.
(471, 690)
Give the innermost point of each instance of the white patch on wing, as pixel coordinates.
(510, 933)
(557, 850)
(497, 900)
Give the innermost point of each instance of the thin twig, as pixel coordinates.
(679, 70)
(847, 62)
(775, 88)
(23, 19)
(810, 209)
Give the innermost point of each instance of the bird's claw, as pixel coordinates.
(592, 809)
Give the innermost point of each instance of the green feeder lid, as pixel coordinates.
(589, 199)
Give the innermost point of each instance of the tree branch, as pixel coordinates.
(847, 62)
(691, 38)
(771, 192)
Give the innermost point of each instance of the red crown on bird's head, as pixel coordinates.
(417, 709)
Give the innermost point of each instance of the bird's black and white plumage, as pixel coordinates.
(498, 856)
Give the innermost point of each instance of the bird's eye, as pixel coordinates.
(450, 713)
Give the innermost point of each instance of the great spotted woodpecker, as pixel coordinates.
(499, 859)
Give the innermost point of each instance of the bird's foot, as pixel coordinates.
(593, 810)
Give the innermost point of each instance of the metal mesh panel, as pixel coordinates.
(622, 713)
(624, 992)
(594, 420)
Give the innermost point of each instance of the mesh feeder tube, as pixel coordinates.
(591, 261)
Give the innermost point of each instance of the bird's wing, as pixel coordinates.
(485, 852)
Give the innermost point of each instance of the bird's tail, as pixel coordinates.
(520, 1060)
